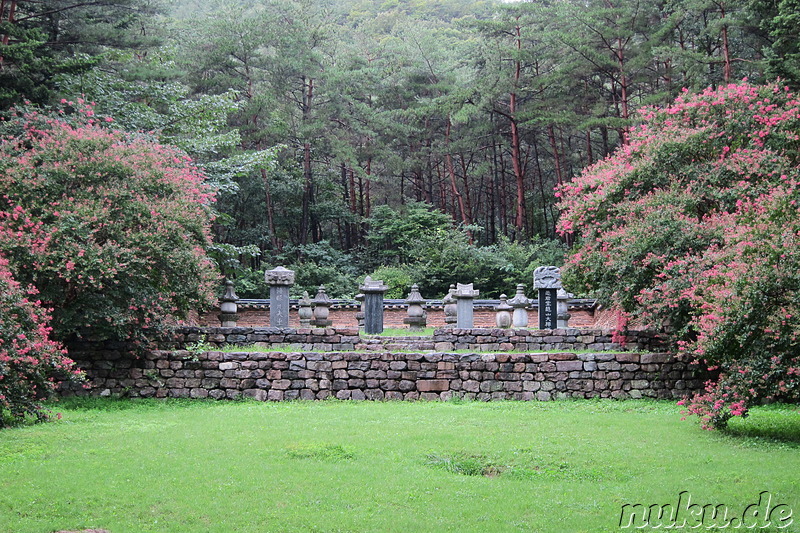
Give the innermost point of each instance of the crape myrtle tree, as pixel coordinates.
(693, 226)
(30, 362)
(110, 228)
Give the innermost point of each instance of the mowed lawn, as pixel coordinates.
(197, 466)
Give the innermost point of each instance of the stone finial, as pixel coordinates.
(228, 315)
(304, 312)
(503, 317)
(279, 276)
(321, 304)
(547, 277)
(450, 306)
(417, 318)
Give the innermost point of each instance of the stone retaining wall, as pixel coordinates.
(378, 371)
(393, 376)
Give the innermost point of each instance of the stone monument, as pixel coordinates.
(279, 281)
(465, 296)
(547, 280)
(373, 291)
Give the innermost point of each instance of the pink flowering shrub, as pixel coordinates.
(694, 227)
(111, 228)
(30, 363)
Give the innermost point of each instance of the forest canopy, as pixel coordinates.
(312, 118)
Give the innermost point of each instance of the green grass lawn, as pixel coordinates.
(196, 466)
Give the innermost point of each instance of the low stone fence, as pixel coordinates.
(319, 363)
(394, 376)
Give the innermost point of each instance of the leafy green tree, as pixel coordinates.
(110, 228)
(780, 20)
(40, 41)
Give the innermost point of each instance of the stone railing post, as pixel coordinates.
(520, 304)
(465, 296)
(449, 307)
(304, 311)
(228, 315)
(279, 281)
(503, 317)
(547, 279)
(373, 305)
(321, 304)
(417, 319)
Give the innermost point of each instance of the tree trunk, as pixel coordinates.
(727, 69)
(368, 209)
(451, 172)
(519, 220)
(551, 135)
(276, 244)
(12, 8)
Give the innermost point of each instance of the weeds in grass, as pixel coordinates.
(522, 466)
(320, 452)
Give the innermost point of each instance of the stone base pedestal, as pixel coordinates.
(228, 320)
(416, 323)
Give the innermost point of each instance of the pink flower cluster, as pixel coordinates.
(694, 226)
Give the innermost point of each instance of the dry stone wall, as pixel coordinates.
(325, 362)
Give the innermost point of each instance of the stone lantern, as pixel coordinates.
(360, 314)
(304, 311)
(321, 304)
(503, 317)
(450, 306)
(562, 309)
(417, 318)
(229, 314)
(520, 304)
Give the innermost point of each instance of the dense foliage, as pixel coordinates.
(694, 226)
(30, 362)
(477, 109)
(110, 228)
